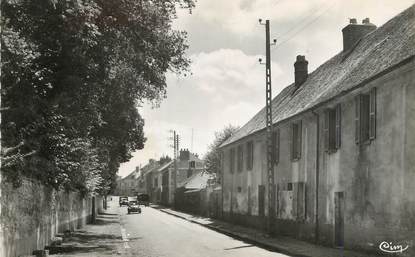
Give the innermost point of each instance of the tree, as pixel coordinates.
(73, 74)
(213, 158)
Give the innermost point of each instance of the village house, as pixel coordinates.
(129, 185)
(343, 146)
(165, 180)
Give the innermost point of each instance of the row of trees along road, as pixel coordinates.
(73, 73)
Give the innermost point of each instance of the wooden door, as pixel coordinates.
(261, 200)
(339, 219)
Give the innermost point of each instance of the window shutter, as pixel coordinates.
(338, 126)
(299, 135)
(274, 146)
(326, 130)
(277, 146)
(293, 141)
(357, 119)
(232, 160)
(252, 155)
(372, 114)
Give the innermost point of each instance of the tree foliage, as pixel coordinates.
(73, 74)
(212, 158)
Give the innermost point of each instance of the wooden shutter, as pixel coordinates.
(232, 160)
(326, 130)
(240, 158)
(274, 146)
(338, 127)
(249, 155)
(357, 119)
(299, 139)
(277, 146)
(372, 114)
(293, 141)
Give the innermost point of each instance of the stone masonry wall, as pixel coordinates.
(33, 214)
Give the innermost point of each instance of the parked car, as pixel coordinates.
(143, 199)
(133, 207)
(123, 200)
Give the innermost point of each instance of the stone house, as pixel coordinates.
(165, 177)
(343, 146)
(129, 186)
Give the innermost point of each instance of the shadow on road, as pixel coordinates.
(82, 241)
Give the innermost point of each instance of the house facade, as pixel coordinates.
(129, 186)
(187, 164)
(343, 146)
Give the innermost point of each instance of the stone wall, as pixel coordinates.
(33, 214)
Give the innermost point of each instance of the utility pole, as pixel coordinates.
(175, 146)
(268, 113)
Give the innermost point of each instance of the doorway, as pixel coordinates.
(261, 200)
(339, 219)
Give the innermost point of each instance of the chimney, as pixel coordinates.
(353, 32)
(301, 70)
(184, 155)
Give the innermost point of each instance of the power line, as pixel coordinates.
(304, 27)
(310, 14)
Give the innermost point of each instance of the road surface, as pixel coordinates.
(156, 234)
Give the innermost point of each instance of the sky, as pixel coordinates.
(227, 85)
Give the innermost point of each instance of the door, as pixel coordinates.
(249, 201)
(339, 219)
(261, 200)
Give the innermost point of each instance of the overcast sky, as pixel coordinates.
(227, 85)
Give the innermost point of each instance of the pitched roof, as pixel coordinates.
(133, 175)
(378, 51)
(165, 166)
(149, 167)
(196, 181)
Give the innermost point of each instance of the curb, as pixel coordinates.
(247, 239)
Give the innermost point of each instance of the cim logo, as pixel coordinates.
(389, 247)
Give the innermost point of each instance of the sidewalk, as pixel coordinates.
(285, 245)
(100, 239)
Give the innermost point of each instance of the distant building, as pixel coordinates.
(164, 177)
(343, 146)
(129, 186)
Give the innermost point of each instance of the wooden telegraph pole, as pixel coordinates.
(268, 113)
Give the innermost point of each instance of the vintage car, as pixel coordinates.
(123, 200)
(133, 207)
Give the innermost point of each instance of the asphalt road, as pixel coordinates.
(156, 234)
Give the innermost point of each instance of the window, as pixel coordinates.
(332, 129)
(249, 155)
(276, 146)
(240, 158)
(232, 160)
(365, 117)
(296, 141)
(192, 164)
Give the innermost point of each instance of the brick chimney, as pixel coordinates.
(353, 32)
(184, 155)
(301, 70)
